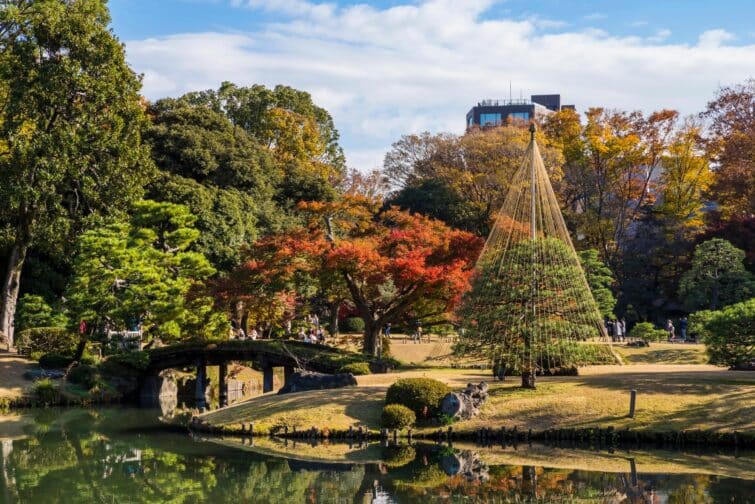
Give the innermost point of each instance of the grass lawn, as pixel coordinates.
(664, 353)
(670, 397)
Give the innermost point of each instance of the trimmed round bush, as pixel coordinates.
(355, 368)
(647, 331)
(397, 416)
(351, 325)
(418, 394)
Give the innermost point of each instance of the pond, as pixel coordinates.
(127, 455)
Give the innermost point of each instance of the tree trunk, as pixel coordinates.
(371, 338)
(528, 378)
(80, 347)
(334, 308)
(11, 287)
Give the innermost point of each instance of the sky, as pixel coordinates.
(386, 68)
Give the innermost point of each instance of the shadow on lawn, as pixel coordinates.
(682, 382)
(666, 356)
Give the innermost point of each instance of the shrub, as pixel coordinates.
(647, 332)
(46, 340)
(84, 375)
(731, 336)
(696, 324)
(55, 361)
(355, 368)
(45, 392)
(418, 394)
(397, 416)
(351, 325)
(136, 360)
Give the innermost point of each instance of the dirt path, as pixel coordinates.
(12, 369)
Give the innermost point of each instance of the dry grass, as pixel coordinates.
(670, 397)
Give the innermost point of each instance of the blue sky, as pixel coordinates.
(391, 67)
(685, 19)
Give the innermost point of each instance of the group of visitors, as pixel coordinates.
(312, 335)
(671, 330)
(616, 329)
(252, 335)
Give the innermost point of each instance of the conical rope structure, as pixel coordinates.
(530, 306)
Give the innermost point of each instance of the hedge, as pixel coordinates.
(418, 394)
(46, 340)
(397, 416)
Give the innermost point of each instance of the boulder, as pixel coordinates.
(310, 380)
(465, 404)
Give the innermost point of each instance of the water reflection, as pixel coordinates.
(123, 455)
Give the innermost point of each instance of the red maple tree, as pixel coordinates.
(390, 263)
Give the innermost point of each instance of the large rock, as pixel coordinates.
(465, 404)
(310, 380)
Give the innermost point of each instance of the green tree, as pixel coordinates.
(504, 322)
(70, 123)
(717, 277)
(144, 270)
(33, 311)
(600, 279)
(300, 136)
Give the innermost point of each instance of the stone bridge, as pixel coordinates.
(263, 355)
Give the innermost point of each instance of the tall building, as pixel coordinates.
(497, 112)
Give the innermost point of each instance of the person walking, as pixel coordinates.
(619, 332)
(670, 330)
(683, 328)
(611, 329)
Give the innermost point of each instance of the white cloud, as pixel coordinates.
(714, 38)
(659, 36)
(421, 66)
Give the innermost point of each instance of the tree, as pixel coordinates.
(600, 279)
(435, 199)
(391, 262)
(497, 311)
(300, 136)
(730, 335)
(216, 169)
(731, 145)
(473, 171)
(143, 271)
(33, 311)
(610, 163)
(684, 180)
(717, 277)
(70, 122)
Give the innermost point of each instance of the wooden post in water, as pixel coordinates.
(632, 402)
(223, 392)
